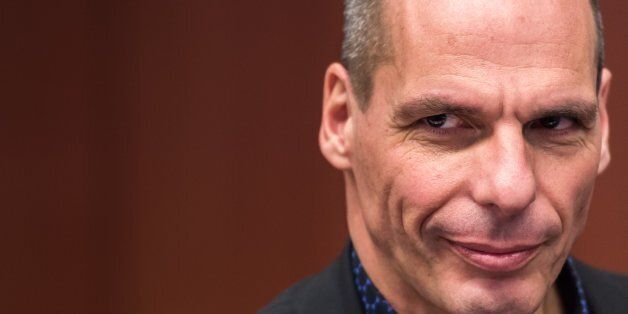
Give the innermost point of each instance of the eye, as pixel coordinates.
(443, 121)
(553, 123)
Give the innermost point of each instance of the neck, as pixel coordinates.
(552, 303)
(398, 292)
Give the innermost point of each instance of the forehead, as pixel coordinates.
(492, 42)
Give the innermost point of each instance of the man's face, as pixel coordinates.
(473, 167)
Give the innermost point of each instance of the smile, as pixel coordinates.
(495, 258)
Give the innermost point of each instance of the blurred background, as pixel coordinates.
(161, 156)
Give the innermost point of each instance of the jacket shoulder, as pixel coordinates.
(292, 299)
(606, 291)
(330, 291)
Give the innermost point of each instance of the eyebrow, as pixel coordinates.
(408, 111)
(585, 112)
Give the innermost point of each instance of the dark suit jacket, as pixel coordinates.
(333, 291)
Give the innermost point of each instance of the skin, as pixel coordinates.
(523, 135)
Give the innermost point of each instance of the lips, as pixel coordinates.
(495, 258)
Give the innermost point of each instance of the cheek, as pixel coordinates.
(424, 184)
(568, 184)
(400, 186)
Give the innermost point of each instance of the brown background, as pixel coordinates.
(161, 156)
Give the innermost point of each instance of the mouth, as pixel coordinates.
(495, 258)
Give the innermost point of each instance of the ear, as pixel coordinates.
(605, 87)
(336, 122)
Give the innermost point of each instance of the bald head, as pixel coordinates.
(368, 41)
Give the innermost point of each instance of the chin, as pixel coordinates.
(498, 296)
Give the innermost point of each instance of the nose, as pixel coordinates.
(505, 179)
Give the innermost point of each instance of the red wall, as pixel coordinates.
(161, 156)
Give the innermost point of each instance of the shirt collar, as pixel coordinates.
(373, 302)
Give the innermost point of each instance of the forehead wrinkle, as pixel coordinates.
(474, 60)
(521, 55)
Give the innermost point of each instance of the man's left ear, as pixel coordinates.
(605, 86)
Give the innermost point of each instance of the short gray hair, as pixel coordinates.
(599, 50)
(366, 44)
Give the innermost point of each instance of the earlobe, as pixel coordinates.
(605, 85)
(336, 122)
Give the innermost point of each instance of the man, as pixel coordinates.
(470, 134)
